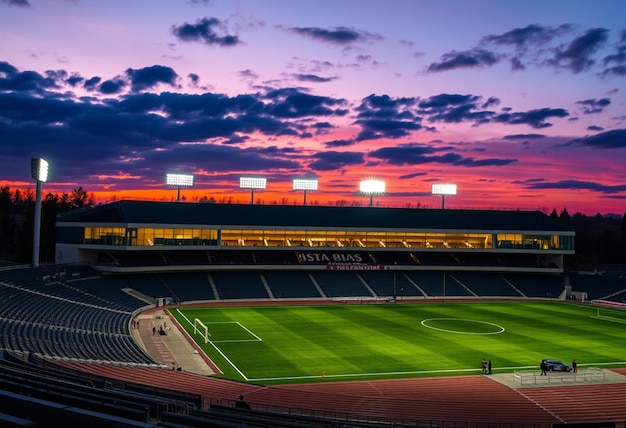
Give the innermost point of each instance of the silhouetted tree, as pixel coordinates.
(80, 198)
(564, 217)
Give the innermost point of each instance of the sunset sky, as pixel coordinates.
(522, 104)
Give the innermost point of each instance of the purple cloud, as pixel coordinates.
(204, 30)
(577, 56)
(592, 106)
(474, 58)
(336, 35)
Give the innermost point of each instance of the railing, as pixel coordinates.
(533, 378)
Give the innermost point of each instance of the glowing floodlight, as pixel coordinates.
(39, 169)
(179, 180)
(305, 184)
(444, 190)
(372, 187)
(39, 172)
(252, 183)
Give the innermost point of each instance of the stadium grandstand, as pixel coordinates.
(74, 354)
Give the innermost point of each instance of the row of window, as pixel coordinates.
(149, 237)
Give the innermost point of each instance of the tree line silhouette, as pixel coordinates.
(600, 239)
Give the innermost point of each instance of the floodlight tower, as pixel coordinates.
(305, 184)
(39, 173)
(372, 187)
(179, 180)
(252, 183)
(444, 190)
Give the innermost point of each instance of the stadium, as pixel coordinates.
(170, 314)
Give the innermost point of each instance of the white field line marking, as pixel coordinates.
(611, 319)
(246, 329)
(425, 324)
(219, 351)
(361, 374)
(550, 412)
(478, 370)
(256, 338)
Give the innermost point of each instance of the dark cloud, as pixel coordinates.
(292, 103)
(523, 136)
(617, 58)
(148, 77)
(381, 128)
(18, 3)
(384, 116)
(595, 128)
(615, 64)
(313, 78)
(339, 143)
(534, 118)
(219, 158)
(614, 139)
(577, 185)
(7, 69)
(618, 70)
(577, 56)
(413, 175)
(471, 162)
(11, 79)
(92, 83)
(116, 135)
(533, 34)
(526, 42)
(112, 87)
(332, 160)
(474, 58)
(74, 80)
(418, 154)
(592, 106)
(336, 35)
(204, 30)
(455, 108)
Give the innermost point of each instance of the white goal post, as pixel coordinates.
(202, 329)
(612, 309)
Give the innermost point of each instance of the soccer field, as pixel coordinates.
(288, 344)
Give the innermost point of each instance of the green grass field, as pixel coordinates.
(289, 344)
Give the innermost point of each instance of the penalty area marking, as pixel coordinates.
(220, 351)
(499, 327)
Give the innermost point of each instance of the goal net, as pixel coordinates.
(607, 309)
(201, 329)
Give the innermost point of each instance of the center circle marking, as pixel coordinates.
(499, 328)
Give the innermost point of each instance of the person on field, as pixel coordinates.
(484, 364)
(489, 366)
(543, 368)
(574, 366)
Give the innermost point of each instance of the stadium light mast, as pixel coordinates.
(444, 190)
(39, 173)
(372, 187)
(252, 183)
(179, 180)
(305, 184)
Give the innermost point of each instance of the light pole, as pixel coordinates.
(252, 183)
(372, 187)
(39, 172)
(443, 190)
(179, 180)
(305, 184)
